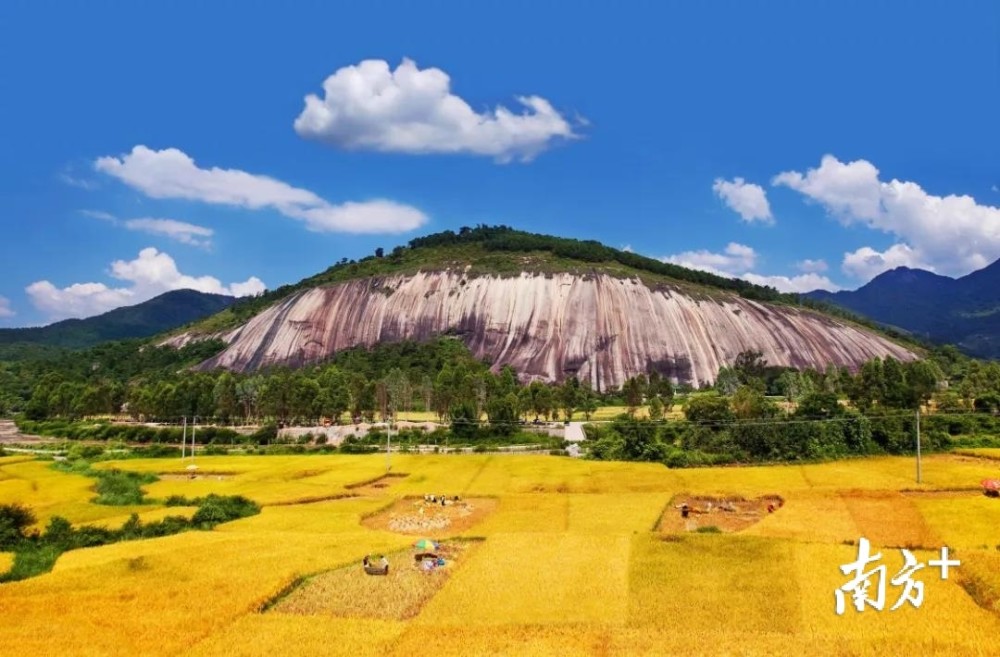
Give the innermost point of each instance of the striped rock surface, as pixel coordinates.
(601, 328)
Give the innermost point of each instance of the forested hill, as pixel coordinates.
(962, 311)
(163, 313)
(505, 251)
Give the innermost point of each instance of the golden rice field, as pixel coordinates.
(568, 562)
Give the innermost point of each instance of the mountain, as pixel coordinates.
(163, 313)
(963, 311)
(548, 306)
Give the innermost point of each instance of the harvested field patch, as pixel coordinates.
(728, 513)
(421, 517)
(349, 592)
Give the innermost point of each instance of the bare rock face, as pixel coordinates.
(600, 328)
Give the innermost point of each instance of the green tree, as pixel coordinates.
(727, 381)
(708, 409)
(276, 398)
(335, 396)
(464, 421)
(868, 387)
(749, 403)
(544, 402)
(820, 405)
(304, 400)
(896, 391)
(398, 391)
(248, 392)
(632, 390)
(923, 378)
(224, 394)
(569, 396)
(15, 519)
(640, 440)
(503, 413)
(588, 401)
(795, 385)
(655, 409)
(750, 367)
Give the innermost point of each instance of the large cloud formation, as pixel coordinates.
(948, 234)
(369, 106)
(746, 199)
(171, 173)
(737, 260)
(150, 274)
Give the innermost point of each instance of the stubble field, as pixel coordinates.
(571, 558)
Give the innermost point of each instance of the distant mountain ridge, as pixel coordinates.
(961, 311)
(163, 313)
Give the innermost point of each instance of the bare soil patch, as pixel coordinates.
(731, 513)
(417, 516)
(351, 593)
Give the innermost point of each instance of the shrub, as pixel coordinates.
(28, 563)
(266, 434)
(119, 488)
(216, 509)
(14, 520)
(84, 452)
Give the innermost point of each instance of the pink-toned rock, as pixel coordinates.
(601, 328)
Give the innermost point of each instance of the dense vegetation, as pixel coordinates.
(755, 412)
(822, 415)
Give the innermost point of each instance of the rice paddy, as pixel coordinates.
(563, 557)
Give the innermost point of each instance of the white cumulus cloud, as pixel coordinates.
(866, 263)
(369, 106)
(171, 173)
(811, 266)
(797, 284)
(746, 199)
(949, 234)
(150, 274)
(179, 231)
(737, 260)
(5, 309)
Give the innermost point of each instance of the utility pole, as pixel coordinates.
(184, 437)
(194, 430)
(918, 445)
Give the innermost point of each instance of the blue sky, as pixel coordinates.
(147, 147)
